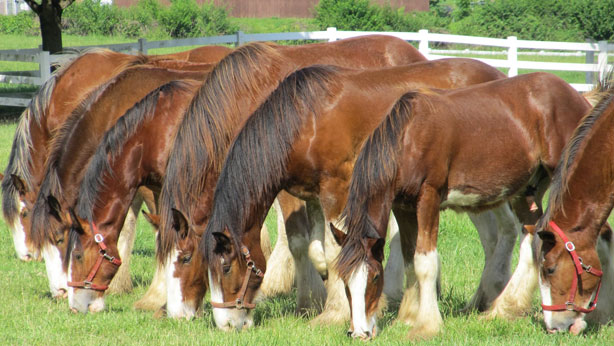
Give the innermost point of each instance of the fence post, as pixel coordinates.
(332, 34)
(512, 56)
(589, 59)
(602, 59)
(143, 46)
(239, 38)
(423, 46)
(44, 66)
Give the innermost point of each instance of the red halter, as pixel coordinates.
(580, 268)
(87, 283)
(240, 302)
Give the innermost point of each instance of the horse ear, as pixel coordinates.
(76, 224)
(528, 229)
(548, 240)
(180, 223)
(153, 219)
(54, 207)
(337, 234)
(223, 244)
(20, 185)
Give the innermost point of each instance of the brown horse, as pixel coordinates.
(319, 117)
(469, 149)
(72, 148)
(49, 108)
(237, 85)
(571, 251)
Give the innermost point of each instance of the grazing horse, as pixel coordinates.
(303, 139)
(574, 250)
(73, 147)
(50, 107)
(234, 89)
(469, 149)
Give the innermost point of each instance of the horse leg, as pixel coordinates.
(497, 268)
(155, 297)
(337, 307)
(279, 275)
(393, 273)
(408, 231)
(487, 227)
(605, 309)
(121, 282)
(426, 264)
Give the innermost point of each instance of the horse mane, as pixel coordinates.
(375, 170)
(51, 184)
(20, 157)
(256, 163)
(206, 131)
(73, 241)
(112, 144)
(560, 181)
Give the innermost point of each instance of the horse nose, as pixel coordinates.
(26, 258)
(367, 335)
(349, 333)
(552, 330)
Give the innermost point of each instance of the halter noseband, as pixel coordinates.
(580, 268)
(240, 302)
(87, 283)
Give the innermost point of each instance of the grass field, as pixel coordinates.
(28, 314)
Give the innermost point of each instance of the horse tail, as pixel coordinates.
(374, 171)
(256, 163)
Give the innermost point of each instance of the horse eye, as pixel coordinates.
(78, 256)
(226, 269)
(186, 259)
(375, 278)
(60, 241)
(24, 213)
(550, 271)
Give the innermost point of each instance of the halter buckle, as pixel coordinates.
(570, 246)
(87, 284)
(98, 238)
(239, 304)
(569, 306)
(107, 257)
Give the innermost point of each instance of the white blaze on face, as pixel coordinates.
(55, 272)
(176, 307)
(19, 237)
(364, 326)
(227, 319)
(544, 289)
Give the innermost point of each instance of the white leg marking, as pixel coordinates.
(58, 280)
(428, 320)
(357, 284)
(393, 274)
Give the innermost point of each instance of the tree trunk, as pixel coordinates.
(50, 16)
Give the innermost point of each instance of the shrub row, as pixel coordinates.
(557, 20)
(183, 18)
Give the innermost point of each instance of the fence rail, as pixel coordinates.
(423, 38)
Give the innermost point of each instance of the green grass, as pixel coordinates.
(28, 314)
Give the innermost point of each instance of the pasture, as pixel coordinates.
(28, 314)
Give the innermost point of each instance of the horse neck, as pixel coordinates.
(587, 199)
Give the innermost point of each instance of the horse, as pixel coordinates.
(69, 84)
(319, 116)
(71, 149)
(236, 86)
(574, 244)
(469, 149)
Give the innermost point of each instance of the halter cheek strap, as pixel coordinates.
(580, 268)
(240, 302)
(87, 283)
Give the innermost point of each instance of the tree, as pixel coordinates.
(50, 15)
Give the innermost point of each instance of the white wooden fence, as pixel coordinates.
(424, 39)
